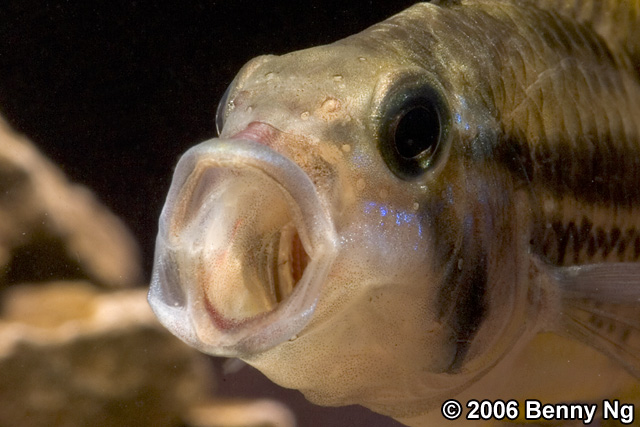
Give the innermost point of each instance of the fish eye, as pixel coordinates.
(416, 131)
(413, 126)
(221, 111)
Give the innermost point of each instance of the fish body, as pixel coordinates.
(444, 205)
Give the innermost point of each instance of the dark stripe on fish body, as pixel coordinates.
(566, 106)
(585, 242)
(607, 174)
(606, 177)
(567, 115)
(462, 300)
(463, 304)
(439, 218)
(577, 235)
(470, 311)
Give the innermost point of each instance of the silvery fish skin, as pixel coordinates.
(444, 205)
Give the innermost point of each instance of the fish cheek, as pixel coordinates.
(380, 342)
(374, 327)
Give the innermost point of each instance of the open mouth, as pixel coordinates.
(244, 232)
(243, 248)
(292, 260)
(267, 277)
(288, 259)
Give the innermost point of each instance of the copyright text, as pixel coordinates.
(534, 410)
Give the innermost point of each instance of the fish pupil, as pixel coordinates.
(417, 131)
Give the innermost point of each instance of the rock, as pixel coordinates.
(51, 228)
(241, 413)
(71, 355)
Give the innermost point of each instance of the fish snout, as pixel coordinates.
(243, 248)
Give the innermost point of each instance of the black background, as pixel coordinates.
(113, 92)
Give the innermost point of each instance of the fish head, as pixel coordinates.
(316, 236)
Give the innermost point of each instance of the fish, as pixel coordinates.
(445, 205)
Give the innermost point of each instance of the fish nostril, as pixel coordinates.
(260, 132)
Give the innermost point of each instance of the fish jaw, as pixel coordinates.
(243, 247)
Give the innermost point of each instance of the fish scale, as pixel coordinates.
(581, 151)
(615, 21)
(579, 160)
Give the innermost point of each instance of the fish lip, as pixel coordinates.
(176, 305)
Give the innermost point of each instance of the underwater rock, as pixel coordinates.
(241, 413)
(51, 228)
(72, 355)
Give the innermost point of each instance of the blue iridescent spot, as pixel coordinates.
(400, 217)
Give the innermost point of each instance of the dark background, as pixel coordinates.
(114, 92)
